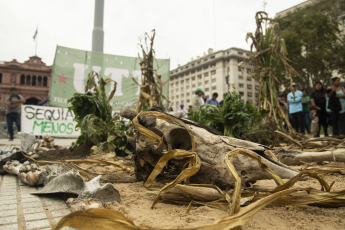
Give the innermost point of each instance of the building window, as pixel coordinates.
(188, 94)
(240, 85)
(206, 67)
(206, 82)
(206, 74)
(249, 94)
(39, 81)
(193, 85)
(187, 87)
(199, 76)
(28, 80)
(200, 83)
(205, 59)
(22, 79)
(177, 90)
(207, 89)
(239, 69)
(214, 87)
(213, 57)
(33, 81)
(240, 77)
(213, 72)
(256, 95)
(193, 78)
(188, 100)
(45, 81)
(240, 53)
(249, 71)
(241, 93)
(249, 86)
(257, 87)
(214, 79)
(249, 78)
(213, 66)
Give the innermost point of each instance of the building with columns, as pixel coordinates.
(31, 78)
(213, 72)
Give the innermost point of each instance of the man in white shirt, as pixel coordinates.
(197, 99)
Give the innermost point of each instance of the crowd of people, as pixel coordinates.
(322, 108)
(198, 100)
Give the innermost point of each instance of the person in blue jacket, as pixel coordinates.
(295, 108)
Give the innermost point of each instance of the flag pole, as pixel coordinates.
(35, 39)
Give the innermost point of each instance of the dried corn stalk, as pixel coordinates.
(151, 93)
(268, 54)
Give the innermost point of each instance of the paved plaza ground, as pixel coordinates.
(21, 210)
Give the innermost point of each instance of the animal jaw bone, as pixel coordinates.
(211, 149)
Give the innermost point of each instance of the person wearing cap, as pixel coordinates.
(197, 100)
(318, 99)
(337, 106)
(295, 108)
(182, 111)
(213, 100)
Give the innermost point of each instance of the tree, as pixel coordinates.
(314, 40)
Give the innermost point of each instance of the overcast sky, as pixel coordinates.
(184, 28)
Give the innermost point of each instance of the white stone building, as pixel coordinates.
(213, 72)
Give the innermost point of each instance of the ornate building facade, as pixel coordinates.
(31, 78)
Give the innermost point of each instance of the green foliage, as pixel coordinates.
(231, 118)
(93, 114)
(314, 40)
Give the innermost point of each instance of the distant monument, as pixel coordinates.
(98, 33)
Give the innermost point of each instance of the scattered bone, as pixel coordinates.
(292, 157)
(72, 182)
(12, 167)
(77, 204)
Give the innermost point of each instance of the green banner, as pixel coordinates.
(72, 66)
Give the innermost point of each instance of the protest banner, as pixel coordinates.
(44, 120)
(72, 66)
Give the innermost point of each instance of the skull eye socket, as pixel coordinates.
(180, 139)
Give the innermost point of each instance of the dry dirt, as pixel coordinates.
(136, 203)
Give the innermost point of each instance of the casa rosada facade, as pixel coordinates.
(31, 79)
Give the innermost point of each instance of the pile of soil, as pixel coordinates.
(81, 152)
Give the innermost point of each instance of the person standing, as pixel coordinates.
(182, 111)
(213, 100)
(198, 100)
(295, 108)
(13, 103)
(306, 113)
(337, 106)
(318, 99)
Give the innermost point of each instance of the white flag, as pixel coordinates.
(35, 34)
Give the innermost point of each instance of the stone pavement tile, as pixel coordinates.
(8, 207)
(9, 227)
(30, 199)
(8, 213)
(28, 195)
(31, 204)
(58, 207)
(37, 224)
(35, 216)
(60, 213)
(9, 193)
(5, 197)
(8, 220)
(4, 201)
(33, 210)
